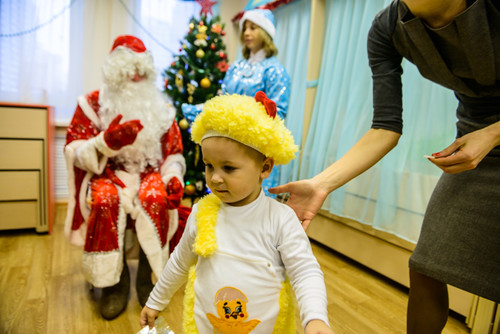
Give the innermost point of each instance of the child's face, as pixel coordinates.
(252, 36)
(234, 171)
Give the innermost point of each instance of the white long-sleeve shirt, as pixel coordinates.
(259, 242)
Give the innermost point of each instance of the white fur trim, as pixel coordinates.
(87, 157)
(82, 198)
(173, 223)
(174, 166)
(260, 20)
(89, 112)
(150, 242)
(102, 269)
(101, 145)
(76, 237)
(129, 193)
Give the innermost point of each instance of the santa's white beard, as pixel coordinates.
(138, 100)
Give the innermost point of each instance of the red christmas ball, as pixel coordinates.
(223, 33)
(212, 46)
(221, 54)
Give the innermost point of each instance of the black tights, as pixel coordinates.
(427, 305)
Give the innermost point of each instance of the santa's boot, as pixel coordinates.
(114, 298)
(143, 283)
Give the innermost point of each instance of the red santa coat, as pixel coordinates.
(88, 160)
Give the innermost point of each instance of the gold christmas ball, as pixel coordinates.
(191, 26)
(205, 83)
(190, 190)
(183, 123)
(200, 53)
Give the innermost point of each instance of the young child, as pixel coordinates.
(242, 252)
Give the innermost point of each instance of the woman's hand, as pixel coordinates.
(318, 327)
(466, 152)
(306, 198)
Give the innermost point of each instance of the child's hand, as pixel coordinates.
(148, 317)
(318, 327)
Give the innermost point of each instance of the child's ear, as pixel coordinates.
(267, 167)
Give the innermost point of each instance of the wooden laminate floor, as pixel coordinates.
(42, 290)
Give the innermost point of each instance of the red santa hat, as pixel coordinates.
(130, 42)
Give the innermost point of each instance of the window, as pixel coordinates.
(45, 46)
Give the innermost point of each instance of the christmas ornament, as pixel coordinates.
(222, 65)
(200, 53)
(202, 29)
(179, 80)
(212, 46)
(190, 190)
(221, 54)
(200, 43)
(183, 124)
(201, 36)
(206, 6)
(191, 87)
(205, 83)
(191, 26)
(216, 29)
(199, 185)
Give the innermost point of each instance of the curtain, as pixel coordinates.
(162, 24)
(292, 41)
(393, 194)
(52, 52)
(35, 57)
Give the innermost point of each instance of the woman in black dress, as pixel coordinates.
(455, 43)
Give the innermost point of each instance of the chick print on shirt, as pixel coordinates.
(231, 306)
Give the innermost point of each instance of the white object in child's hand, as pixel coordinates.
(429, 157)
(160, 327)
(146, 330)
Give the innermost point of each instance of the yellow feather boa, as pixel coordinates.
(205, 243)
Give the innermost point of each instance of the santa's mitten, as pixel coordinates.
(174, 193)
(118, 135)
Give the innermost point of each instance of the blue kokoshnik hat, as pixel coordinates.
(264, 18)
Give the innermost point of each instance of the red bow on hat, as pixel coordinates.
(269, 104)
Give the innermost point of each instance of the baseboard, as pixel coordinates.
(379, 251)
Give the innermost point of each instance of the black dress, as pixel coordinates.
(459, 242)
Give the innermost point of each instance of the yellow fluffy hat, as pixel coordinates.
(244, 119)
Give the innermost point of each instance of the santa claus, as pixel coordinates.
(125, 165)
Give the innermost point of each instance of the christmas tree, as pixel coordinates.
(194, 77)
